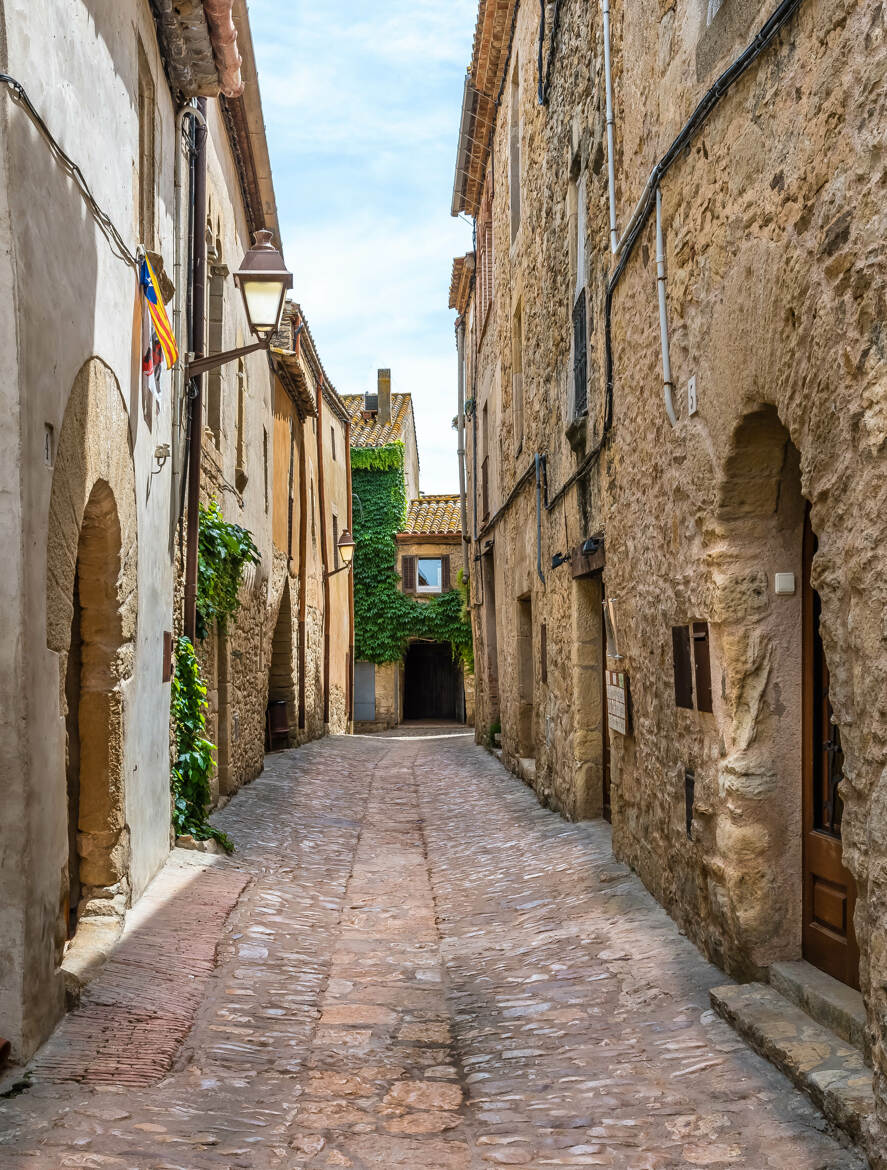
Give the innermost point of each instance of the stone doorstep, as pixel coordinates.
(832, 1004)
(829, 1070)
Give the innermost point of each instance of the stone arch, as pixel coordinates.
(281, 669)
(757, 532)
(91, 608)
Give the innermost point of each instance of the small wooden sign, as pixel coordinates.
(618, 702)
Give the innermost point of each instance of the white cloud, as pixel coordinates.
(362, 115)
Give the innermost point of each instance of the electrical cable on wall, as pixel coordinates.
(115, 239)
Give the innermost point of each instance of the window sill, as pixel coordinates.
(577, 433)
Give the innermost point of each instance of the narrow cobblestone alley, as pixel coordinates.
(425, 969)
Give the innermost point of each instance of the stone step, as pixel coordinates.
(832, 1004)
(828, 1069)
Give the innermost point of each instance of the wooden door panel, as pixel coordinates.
(829, 940)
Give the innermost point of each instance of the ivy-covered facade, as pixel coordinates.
(412, 645)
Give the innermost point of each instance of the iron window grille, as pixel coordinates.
(580, 356)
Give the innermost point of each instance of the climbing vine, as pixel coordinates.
(194, 753)
(385, 618)
(224, 550)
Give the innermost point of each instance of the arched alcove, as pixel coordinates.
(91, 610)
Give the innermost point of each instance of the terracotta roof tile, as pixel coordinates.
(370, 432)
(434, 514)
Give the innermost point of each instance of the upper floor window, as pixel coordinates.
(514, 150)
(333, 442)
(580, 357)
(517, 376)
(425, 574)
(484, 279)
(146, 152)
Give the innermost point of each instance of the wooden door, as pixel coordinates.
(606, 810)
(829, 940)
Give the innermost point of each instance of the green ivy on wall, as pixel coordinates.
(385, 619)
(224, 550)
(194, 752)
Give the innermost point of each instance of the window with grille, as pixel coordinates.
(580, 356)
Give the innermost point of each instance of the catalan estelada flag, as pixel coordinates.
(159, 319)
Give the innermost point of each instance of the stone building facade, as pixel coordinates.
(87, 484)
(93, 467)
(726, 503)
(427, 682)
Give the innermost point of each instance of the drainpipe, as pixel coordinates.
(460, 422)
(611, 149)
(179, 427)
(350, 683)
(667, 384)
(324, 556)
(538, 462)
(198, 324)
(303, 570)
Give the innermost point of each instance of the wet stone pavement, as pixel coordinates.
(425, 969)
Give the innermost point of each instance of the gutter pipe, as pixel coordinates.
(611, 149)
(198, 326)
(460, 423)
(667, 384)
(537, 459)
(324, 555)
(178, 318)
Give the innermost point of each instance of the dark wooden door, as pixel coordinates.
(432, 683)
(829, 939)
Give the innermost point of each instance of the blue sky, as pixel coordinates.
(362, 104)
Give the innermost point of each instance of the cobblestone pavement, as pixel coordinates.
(427, 970)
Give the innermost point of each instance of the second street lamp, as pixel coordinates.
(264, 281)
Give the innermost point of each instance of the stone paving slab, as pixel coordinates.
(427, 970)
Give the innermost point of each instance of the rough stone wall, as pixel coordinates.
(775, 231)
(774, 227)
(535, 274)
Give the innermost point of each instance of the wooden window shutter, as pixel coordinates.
(702, 666)
(408, 574)
(543, 650)
(445, 575)
(683, 679)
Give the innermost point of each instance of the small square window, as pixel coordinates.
(428, 576)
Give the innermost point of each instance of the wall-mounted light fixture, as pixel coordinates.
(345, 545)
(264, 281)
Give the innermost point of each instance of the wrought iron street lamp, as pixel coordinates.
(345, 545)
(264, 281)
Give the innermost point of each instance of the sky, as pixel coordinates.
(362, 104)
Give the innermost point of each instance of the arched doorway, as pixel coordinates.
(91, 624)
(281, 710)
(98, 840)
(779, 824)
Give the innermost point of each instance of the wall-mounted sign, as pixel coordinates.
(618, 702)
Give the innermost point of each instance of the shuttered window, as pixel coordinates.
(445, 574)
(683, 678)
(702, 666)
(543, 651)
(692, 666)
(580, 357)
(408, 574)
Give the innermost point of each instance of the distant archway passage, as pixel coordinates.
(433, 686)
(281, 711)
